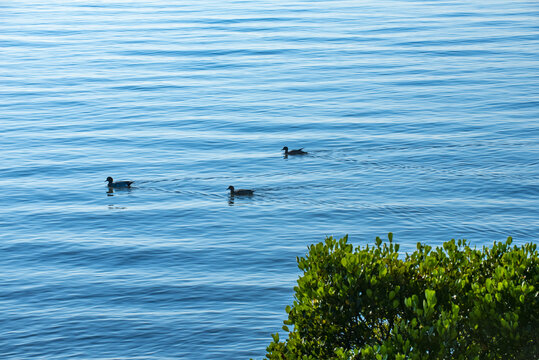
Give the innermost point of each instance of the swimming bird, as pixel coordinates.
(119, 184)
(294, 152)
(240, 191)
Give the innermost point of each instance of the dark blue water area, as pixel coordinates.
(420, 118)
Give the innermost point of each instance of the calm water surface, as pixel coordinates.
(420, 118)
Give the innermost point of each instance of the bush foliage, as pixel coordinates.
(453, 302)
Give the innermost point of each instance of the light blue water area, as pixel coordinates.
(420, 118)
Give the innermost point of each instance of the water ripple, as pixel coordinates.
(421, 121)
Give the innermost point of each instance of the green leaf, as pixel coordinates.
(488, 283)
(408, 302)
(431, 296)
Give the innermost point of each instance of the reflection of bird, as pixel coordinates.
(119, 184)
(294, 152)
(239, 191)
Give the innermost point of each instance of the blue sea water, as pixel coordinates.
(420, 118)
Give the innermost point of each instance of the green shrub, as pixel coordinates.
(453, 302)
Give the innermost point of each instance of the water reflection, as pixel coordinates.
(110, 191)
(231, 198)
(112, 207)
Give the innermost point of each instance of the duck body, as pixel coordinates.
(240, 192)
(118, 184)
(294, 152)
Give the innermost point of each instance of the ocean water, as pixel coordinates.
(421, 118)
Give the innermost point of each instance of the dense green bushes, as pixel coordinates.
(453, 302)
